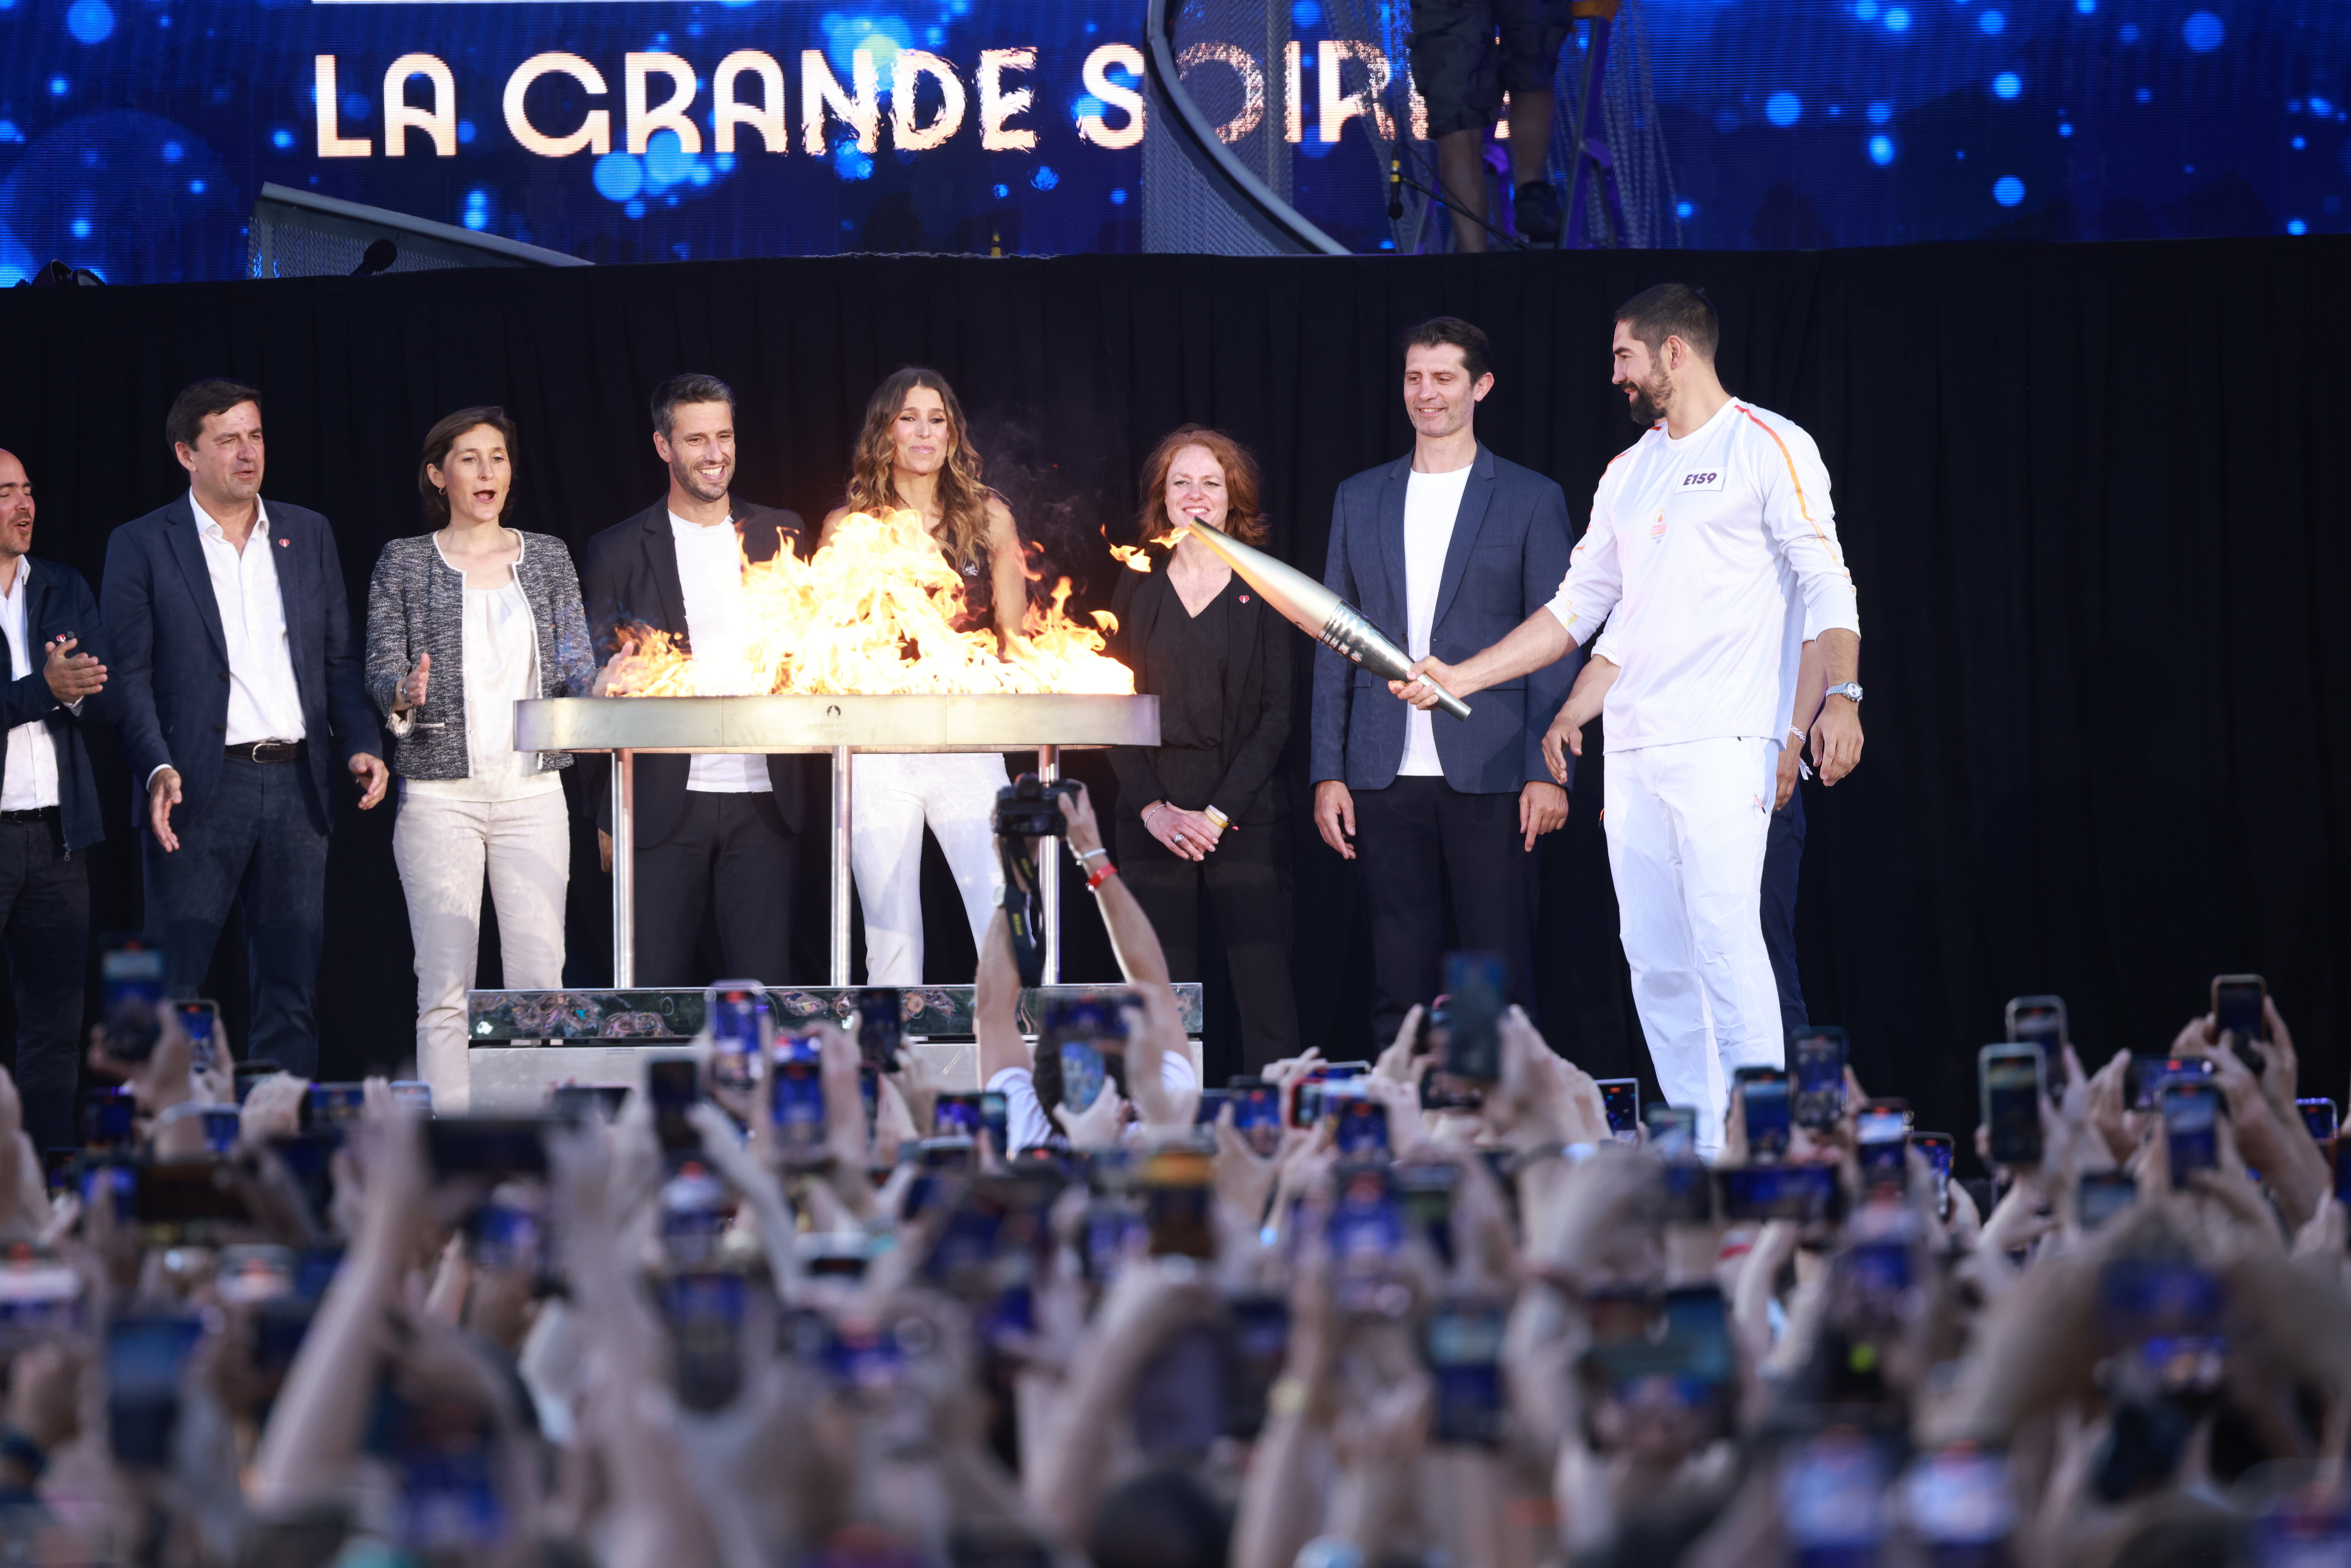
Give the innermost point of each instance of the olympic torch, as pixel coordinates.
(1320, 613)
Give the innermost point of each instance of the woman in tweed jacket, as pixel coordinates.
(461, 623)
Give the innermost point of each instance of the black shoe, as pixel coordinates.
(1536, 208)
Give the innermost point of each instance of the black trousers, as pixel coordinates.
(45, 894)
(1243, 877)
(257, 844)
(730, 856)
(1424, 844)
(1784, 857)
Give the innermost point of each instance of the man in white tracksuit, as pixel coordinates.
(1711, 553)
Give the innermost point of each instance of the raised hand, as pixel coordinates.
(413, 686)
(72, 677)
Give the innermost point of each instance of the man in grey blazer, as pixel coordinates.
(1443, 550)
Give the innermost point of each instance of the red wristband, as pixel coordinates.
(1098, 877)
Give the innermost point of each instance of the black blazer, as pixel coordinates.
(170, 656)
(58, 603)
(630, 579)
(1256, 706)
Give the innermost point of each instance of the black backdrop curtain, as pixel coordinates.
(2084, 491)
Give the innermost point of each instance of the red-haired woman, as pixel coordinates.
(914, 454)
(1202, 811)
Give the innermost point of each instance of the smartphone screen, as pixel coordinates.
(1804, 1194)
(198, 1019)
(2149, 1073)
(1426, 1193)
(1212, 1105)
(2103, 1194)
(2192, 1127)
(329, 1106)
(1833, 1498)
(1463, 1344)
(881, 1024)
(1818, 1058)
(742, 1031)
(956, 1116)
(39, 1297)
(131, 982)
(704, 1310)
(415, 1093)
(144, 1356)
(1763, 1093)
(1257, 1113)
(2038, 1021)
(1366, 1236)
(1361, 1130)
(673, 1083)
(796, 1101)
(1083, 1074)
(1177, 1200)
(1936, 1147)
(1255, 1348)
(1673, 1130)
(2237, 1012)
(248, 1073)
(2009, 1079)
(2318, 1115)
(1178, 1406)
(1477, 988)
(107, 1117)
(1620, 1098)
(1689, 1193)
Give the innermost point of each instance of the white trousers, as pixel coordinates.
(1687, 827)
(441, 847)
(890, 796)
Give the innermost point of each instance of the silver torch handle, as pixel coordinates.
(1351, 634)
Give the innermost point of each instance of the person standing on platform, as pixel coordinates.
(1468, 56)
(719, 831)
(1703, 534)
(914, 454)
(238, 678)
(501, 609)
(48, 806)
(1443, 550)
(1201, 812)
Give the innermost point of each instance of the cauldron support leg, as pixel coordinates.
(624, 870)
(840, 881)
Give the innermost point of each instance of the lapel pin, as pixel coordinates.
(1244, 598)
(284, 543)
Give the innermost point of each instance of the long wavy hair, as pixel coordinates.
(962, 499)
(1244, 518)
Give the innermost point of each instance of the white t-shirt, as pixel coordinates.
(32, 782)
(1700, 553)
(1025, 1123)
(710, 573)
(1432, 503)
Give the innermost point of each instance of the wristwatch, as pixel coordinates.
(1850, 691)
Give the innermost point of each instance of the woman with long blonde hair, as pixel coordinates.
(914, 454)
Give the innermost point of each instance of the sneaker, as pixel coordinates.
(1537, 209)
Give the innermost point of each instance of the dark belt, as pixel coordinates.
(39, 814)
(266, 751)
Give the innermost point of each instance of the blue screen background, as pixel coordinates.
(134, 135)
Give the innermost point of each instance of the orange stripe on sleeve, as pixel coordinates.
(1802, 505)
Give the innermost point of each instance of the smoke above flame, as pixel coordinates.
(873, 612)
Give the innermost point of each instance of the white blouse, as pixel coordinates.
(501, 642)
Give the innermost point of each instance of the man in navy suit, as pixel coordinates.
(716, 835)
(48, 806)
(1441, 550)
(239, 679)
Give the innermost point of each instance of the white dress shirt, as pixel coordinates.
(32, 781)
(263, 702)
(499, 637)
(1432, 502)
(710, 572)
(1710, 558)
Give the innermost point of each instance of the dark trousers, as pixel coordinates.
(45, 893)
(1422, 843)
(1784, 857)
(731, 855)
(254, 842)
(1241, 876)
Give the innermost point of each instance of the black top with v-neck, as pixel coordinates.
(1222, 678)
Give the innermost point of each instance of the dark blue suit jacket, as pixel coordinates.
(1507, 556)
(59, 604)
(171, 655)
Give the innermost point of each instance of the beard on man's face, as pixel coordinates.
(697, 484)
(1649, 398)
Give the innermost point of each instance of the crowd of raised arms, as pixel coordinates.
(794, 1303)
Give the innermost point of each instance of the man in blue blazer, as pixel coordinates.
(239, 681)
(1445, 548)
(48, 806)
